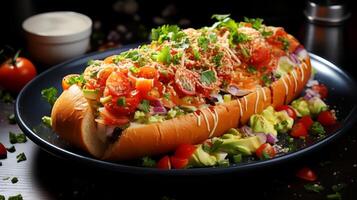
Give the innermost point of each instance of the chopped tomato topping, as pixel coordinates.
(326, 118)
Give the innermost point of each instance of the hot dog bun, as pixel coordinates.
(73, 120)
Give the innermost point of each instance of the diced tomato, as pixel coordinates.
(265, 151)
(185, 151)
(132, 100)
(144, 85)
(118, 84)
(110, 59)
(307, 121)
(148, 73)
(178, 163)
(298, 130)
(290, 111)
(65, 81)
(321, 89)
(103, 75)
(110, 119)
(260, 57)
(306, 174)
(164, 163)
(326, 118)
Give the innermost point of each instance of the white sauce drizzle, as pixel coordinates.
(245, 103)
(206, 120)
(302, 74)
(198, 118)
(286, 87)
(256, 102)
(295, 81)
(264, 95)
(215, 121)
(240, 108)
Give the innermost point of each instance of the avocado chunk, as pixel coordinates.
(259, 123)
(200, 158)
(244, 146)
(301, 106)
(285, 123)
(316, 105)
(285, 65)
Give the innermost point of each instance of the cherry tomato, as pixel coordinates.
(321, 89)
(306, 174)
(307, 121)
(103, 75)
(260, 56)
(185, 82)
(326, 118)
(110, 119)
(132, 100)
(164, 163)
(118, 84)
(178, 163)
(290, 111)
(265, 151)
(185, 151)
(16, 73)
(298, 130)
(144, 85)
(66, 83)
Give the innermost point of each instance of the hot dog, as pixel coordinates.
(102, 111)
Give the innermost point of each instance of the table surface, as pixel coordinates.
(44, 176)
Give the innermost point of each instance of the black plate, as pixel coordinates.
(30, 107)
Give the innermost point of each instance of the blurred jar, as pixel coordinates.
(325, 31)
(54, 37)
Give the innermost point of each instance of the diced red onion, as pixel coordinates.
(246, 130)
(272, 139)
(311, 83)
(262, 137)
(294, 58)
(156, 103)
(301, 52)
(309, 94)
(235, 91)
(158, 110)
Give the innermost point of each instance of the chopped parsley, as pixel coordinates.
(148, 162)
(76, 80)
(256, 22)
(167, 96)
(21, 157)
(314, 187)
(121, 101)
(317, 129)
(203, 42)
(196, 54)
(217, 59)
(176, 59)
(14, 180)
(208, 77)
(17, 138)
(252, 69)
(17, 197)
(168, 32)
(11, 119)
(245, 52)
(266, 33)
(212, 37)
(285, 42)
(11, 149)
(50, 95)
(164, 55)
(144, 106)
(239, 37)
(266, 80)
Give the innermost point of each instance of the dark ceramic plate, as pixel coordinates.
(30, 108)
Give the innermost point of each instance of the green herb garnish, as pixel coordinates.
(217, 59)
(21, 157)
(46, 120)
(208, 77)
(121, 101)
(164, 55)
(314, 187)
(17, 197)
(144, 106)
(266, 33)
(167, 96)
(252, 69)
(17, 138)
(256, 22)
(196, 54)
(168, 32)
(11, 149)
(50, 95)
(76, 80)
(285, 42)
(148, 162)
(317, 129)
(245, 52)
(237, 158)
(14, 180)
(134, 69)
(266, 80)
(203, 42)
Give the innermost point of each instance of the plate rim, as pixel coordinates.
(112, 166)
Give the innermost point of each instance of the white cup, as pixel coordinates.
(54, 37)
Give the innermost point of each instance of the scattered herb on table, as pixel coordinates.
(7, 98)
(17, 197)
(11, 149)
(17, 138)
(46, 120)
(2, 197)
(21, 157)
(14, 180)
(314, 187)
(6, 178)
(11, 119)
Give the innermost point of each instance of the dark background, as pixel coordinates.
(122, 22)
